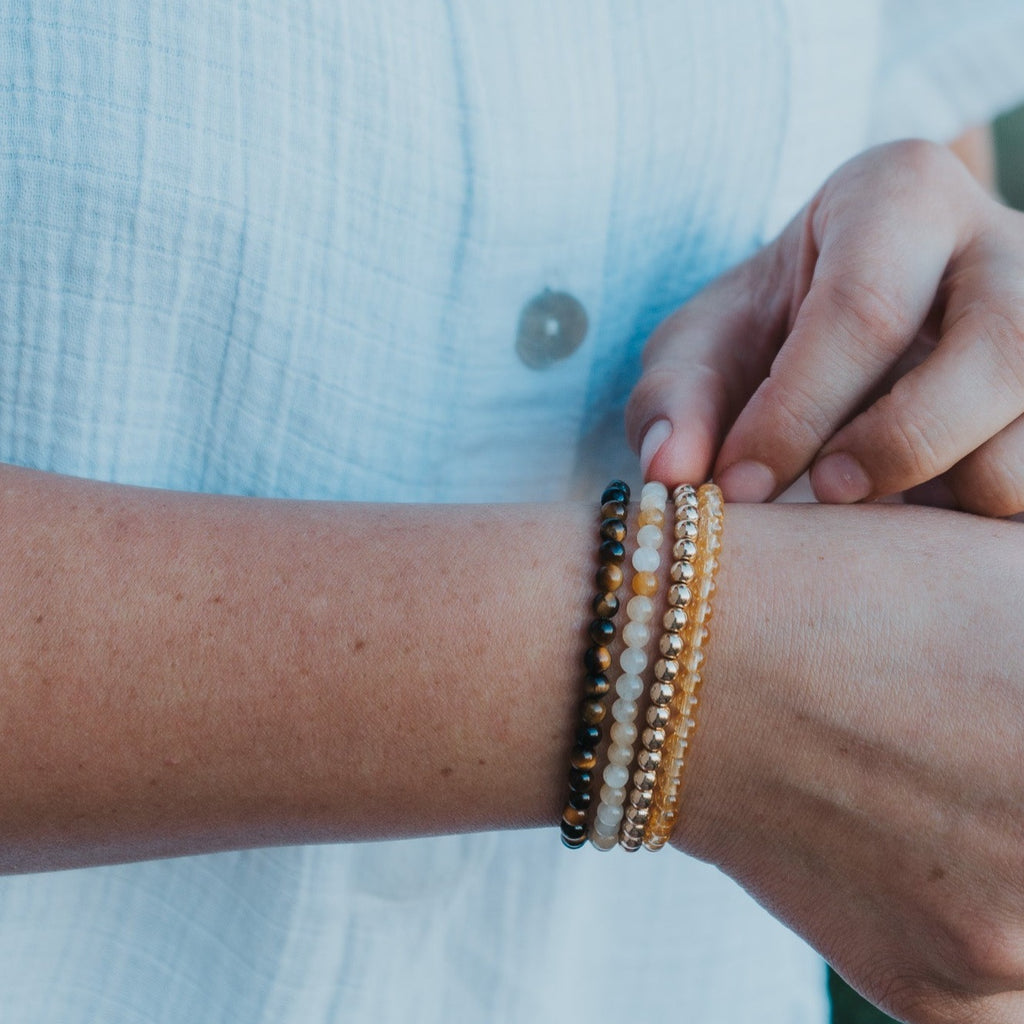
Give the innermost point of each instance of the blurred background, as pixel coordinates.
(847, 1006)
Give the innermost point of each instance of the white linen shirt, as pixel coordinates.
(281, 248)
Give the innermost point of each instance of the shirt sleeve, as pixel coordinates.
(944, 67)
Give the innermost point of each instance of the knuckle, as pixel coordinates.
(1003, 330)
(914, 438)
(989, 956)
(799, 417)
(990, 482)
(917, 163)
(869, 314)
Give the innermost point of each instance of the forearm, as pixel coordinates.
(182, 673)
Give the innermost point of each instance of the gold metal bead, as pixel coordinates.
(680, 493)
(643, 779)
(658, 717)
(679, 595)
(675, 619)
(654, 739)
(685, 550)
(640, 797)
(638, 815)
(685, 529)
(662, 694)
(648, 760)
(666, 670)
(671, 645)
(682, 572)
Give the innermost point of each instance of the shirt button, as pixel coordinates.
(552, 326)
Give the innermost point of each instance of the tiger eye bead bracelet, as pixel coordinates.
(597, 661)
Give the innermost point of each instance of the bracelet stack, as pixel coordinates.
(638, 800)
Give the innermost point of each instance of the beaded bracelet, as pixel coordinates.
(629, 685)
(649, 757)
(698, 540)
(597, 661)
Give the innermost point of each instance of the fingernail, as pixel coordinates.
(747, 482)
(657, 434)
(840, 479)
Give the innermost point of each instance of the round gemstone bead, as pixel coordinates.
(612, 551)
(624, 733)
(617, 490)
(580, 780)
(592, 712)
(616, 775)
(651, 516)
(604, 843)
(574, 816)
(629, 686)
(583, 757)
(606, 606)
(633, 660)
(597, 659)
(624, 710)
(648, 536)
(618, 754)
(580, 800)
(588, 736)
(640, 608)
(596, 685)
(614, 795)
(609, 577)
(613, 510)
(573, 843)
(573, 832)
(602, 631)
(654, 490)
(636, 634)
(613, 529)
(645, 584)
(610, 814)
(646, 560)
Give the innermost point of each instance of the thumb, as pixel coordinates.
(701, 366)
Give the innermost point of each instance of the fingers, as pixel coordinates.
(881, 254)
(990, 481)
(701, 365)
(967, 392)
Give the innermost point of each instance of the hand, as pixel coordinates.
(879, 340)
(858, 763)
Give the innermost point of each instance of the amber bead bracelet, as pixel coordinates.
(597, 661)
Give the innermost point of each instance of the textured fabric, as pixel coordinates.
(278, 247)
